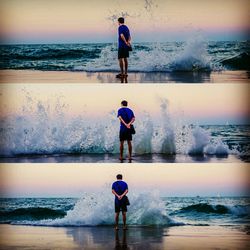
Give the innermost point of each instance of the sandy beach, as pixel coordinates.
(36, 76)
(186, 237)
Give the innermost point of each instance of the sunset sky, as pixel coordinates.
(72, 180)
(202, 104)
(76, 21)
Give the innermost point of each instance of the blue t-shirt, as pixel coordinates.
(127, 115)
(119, 187)
(123, 29)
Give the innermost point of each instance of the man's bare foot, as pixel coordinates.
(116, 228)
(121, 159)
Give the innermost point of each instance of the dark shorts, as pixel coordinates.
(123, 53)
(121, 207)
(125, 136)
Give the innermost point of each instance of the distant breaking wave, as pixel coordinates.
(52, 53)
(30, 214)
(193, 55)
(237, 62)
(216, 209)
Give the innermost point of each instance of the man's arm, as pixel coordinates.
(120, 196)
(132, 120)
(125, 192)
(127, 124)
(129, 40)
(125, 41)
(120, 118)
(113, 192)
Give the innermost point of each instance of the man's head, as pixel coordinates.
(121, 20)
(124, 103)
(119, 177)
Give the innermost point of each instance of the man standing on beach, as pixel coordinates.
(120, 189)
(124, 46)
(126, 117)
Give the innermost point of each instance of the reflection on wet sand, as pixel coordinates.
(114, 158)
(108, 238)
(36, 76)
(119, 245)
(155, 77)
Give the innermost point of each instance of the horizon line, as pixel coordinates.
(175, 196)
(112, 42)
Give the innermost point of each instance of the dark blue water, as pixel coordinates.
(194, 55)
(168, 211)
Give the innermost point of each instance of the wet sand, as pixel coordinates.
(36, 76)
(106, 238)
(114, 158)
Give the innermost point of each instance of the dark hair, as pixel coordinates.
(121, 19)
(124, 103)
(119, 177)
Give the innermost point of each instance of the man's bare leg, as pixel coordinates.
(121, 150)
(121, 65)
(116, 220)
(126, 66)
(130, 150)
(124, 220)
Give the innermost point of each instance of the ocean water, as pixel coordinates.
(147, 209)
(40, 131)
(195, 54)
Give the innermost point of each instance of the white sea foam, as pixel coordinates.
(217, 148)
(94, 209)
(43, 128)
(200, 140)
(189, 56)
(193, 57)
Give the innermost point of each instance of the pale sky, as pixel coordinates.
(202, 104)
(78, 21)
(72, 180)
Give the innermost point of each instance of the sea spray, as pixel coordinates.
(144, 8)
(107, 61)
(164, 136)
(218, 148)
(94, 209)
(45, 128)
(200, 140)
(193, 57)
(157, 57)
(143, 140)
